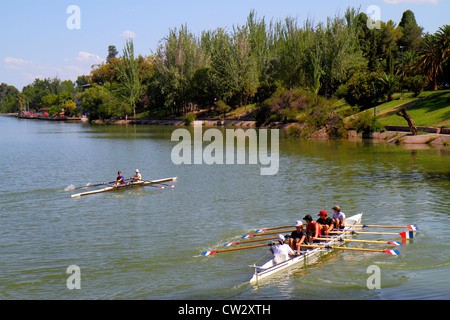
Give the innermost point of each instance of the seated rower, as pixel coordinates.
(281, 251)
(297, 236)
(137, 177)
(325, 223)
(338, 218)
(119, 180)
(312, 229)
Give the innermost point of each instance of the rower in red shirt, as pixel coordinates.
(312, 229)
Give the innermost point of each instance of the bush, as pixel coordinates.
(188, 118)
(366, 123)
(416, 84)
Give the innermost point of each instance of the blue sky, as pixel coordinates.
(36, 42)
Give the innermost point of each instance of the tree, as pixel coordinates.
(112, 53)
(130, 84)
(389, 83)
(411, 32)
(434, 54)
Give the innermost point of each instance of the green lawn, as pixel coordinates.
(432, 108)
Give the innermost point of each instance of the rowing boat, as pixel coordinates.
(124, 186)
(305, 258)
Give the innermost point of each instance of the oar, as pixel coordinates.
(94, 185)
(209, 253)
(364, 241)
(391, 252)
(263, 234)
(229, 244)
(404, 235)
(267, 229)
(411, 227)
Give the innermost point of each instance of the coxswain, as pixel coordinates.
(297, 236)
(281, 251)
(325, 223)
(137, 176)
(312, 229)
(119, 180)
(338, 218)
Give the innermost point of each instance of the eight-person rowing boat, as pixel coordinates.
(118, 185)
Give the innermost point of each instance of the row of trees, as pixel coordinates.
(341, 57)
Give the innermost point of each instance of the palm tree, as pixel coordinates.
(390, 83)
(434, 54)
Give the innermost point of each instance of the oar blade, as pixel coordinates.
(413, 227)
(229, 244)
(407, 234)
(208, 253)
(392, 252)
(395, 243)
(248, 236)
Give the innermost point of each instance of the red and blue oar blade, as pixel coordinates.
(392, 252)
(248, 236)
(407, 234)
(413, 227)
(208, 253)
(394, 243)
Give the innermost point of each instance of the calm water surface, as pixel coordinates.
(146, 243)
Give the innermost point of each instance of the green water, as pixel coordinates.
(146, 243)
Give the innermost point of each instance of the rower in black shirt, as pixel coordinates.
(325, 223)
(297, 236)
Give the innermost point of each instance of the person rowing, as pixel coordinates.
(325, 223)
(297, 236)
(137, 177)
(281, 251)
(338, 218)
(312, 229)
(119, 180)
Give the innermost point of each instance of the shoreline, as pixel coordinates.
(433, 138)
(436, 137)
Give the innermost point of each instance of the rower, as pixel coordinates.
(338, 218)
(312, 229)
(297, 236)
(281, 251)
(325, 223)
(119, 180)
(137, 176)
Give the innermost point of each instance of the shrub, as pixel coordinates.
(188, 118)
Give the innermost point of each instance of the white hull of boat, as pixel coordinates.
(306, 258)
(124, 186)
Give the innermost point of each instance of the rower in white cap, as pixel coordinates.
(137, 176)
(281, 251)
(297, 236)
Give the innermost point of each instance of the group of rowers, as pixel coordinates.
(121, 180)
(313, 231)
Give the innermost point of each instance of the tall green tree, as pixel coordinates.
(130, 88)
(411, 32)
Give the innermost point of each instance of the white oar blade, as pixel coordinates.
(392, 252)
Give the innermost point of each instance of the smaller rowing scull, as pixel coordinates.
(124, 186)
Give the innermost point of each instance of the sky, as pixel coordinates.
(61, 38)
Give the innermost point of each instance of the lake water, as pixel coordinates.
(146, 243)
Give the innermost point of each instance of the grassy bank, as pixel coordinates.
(431, 108)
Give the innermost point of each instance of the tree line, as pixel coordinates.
(254, 63)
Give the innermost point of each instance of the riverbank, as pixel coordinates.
(399, 136)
